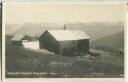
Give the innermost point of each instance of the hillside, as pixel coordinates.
(114, 41)
(10, 28)
(98, 30)
(29, 28)
(20, 59)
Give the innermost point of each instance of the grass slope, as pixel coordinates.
(114, 41)
(19, 59)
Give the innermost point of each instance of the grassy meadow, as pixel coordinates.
(22, 60)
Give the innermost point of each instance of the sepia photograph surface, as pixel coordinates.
(64, 40)
(0, 42)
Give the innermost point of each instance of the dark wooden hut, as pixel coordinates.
(64, 41)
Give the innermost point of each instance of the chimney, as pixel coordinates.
(65, 27)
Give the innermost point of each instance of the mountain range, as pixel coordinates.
(101, 33)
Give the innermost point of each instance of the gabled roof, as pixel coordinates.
(64, 35)
(18, 37)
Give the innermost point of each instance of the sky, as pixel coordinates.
(30, 12)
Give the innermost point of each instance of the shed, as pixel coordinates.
(18, 39)
(64, 41)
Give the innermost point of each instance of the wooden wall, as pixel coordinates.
(48, 42)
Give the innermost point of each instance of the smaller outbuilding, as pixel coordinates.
(19, 39)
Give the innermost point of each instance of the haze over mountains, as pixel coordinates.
(99, 32)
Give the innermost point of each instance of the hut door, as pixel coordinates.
(81, 46)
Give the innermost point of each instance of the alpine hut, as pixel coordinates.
(64, 41)
(19, 39)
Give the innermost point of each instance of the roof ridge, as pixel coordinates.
(62, 35)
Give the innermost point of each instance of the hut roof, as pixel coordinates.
(64, 35)
(18, 37)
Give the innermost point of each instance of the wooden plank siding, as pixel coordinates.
(48, 42)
